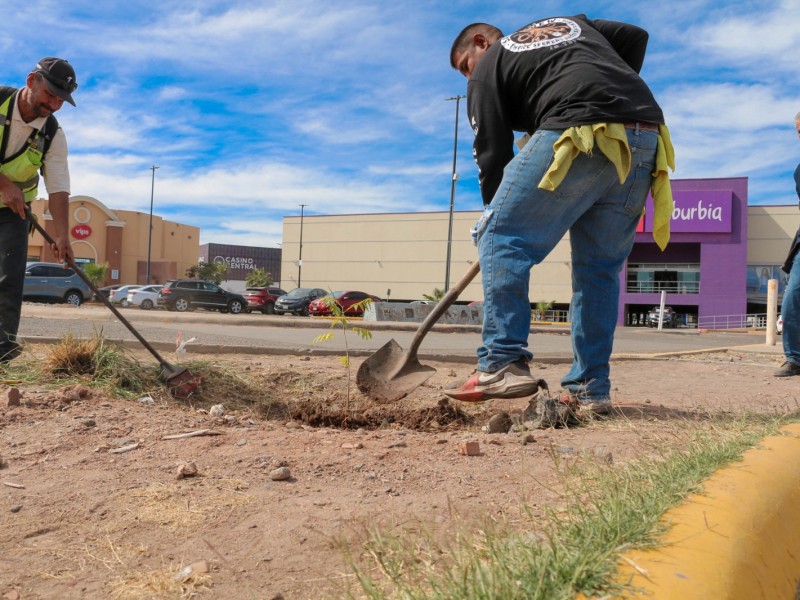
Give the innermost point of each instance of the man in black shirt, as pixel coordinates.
(573, 85)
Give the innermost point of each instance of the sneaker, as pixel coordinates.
(512, 381)
(788, 369)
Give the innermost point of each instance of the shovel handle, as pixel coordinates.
(442, 306)
(97, 293)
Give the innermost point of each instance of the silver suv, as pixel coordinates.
(54, 282)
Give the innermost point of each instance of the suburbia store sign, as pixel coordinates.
(697, 212)
(81, 232)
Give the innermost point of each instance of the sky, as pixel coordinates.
(251, 109)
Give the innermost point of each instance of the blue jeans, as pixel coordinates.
(13, 257)
(790, 311)
(525, 225)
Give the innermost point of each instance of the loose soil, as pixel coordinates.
(85, 514)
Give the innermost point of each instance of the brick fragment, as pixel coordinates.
(469, 448)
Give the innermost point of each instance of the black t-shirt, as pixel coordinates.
(554, 74)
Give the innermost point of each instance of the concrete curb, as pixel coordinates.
(737, 540)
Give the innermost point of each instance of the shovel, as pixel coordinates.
(179, 381)
(390, 374)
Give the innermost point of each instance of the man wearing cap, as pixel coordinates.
(30, 142)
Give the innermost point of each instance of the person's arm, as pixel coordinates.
(58, 204)
(494, 138)
(56, 179)
(629, 41)
(12, 196)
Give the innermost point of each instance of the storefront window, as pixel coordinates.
(759, 275)
(670, 278)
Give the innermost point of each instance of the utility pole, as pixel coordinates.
(300, 257)
(452, 197)
(150, 232)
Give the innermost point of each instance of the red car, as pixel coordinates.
(262, 299)
(347, 300)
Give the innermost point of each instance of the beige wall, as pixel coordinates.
(407, 252)
(403, 252)
(121, 239)
(770, 229)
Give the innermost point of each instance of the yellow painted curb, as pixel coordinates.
(739, 539)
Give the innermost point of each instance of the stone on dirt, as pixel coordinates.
(12, 397)
(217, 410)
(197, 568)
(280, 474)
(186, 470)
(499, 423)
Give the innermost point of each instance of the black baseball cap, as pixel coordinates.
(59, 76)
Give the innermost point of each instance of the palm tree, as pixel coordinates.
(436, 296)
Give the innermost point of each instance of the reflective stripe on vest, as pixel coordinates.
(23, 168)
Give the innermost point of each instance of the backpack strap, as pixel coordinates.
(48, 131)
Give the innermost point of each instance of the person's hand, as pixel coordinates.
(12, 196)
(62, 249)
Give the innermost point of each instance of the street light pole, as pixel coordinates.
(452, 197)
(150, 232)
(300, 257)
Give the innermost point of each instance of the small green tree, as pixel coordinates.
(435, 296)
(340, 320)
(258, 278)
(215, 272)
(96, 273)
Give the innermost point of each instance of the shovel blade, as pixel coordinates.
(179, 381)
(391, 373)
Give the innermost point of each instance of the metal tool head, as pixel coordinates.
(180, 382)
(391, 373)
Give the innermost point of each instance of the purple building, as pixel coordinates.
(707, 252)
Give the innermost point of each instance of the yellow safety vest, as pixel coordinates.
(23, 167)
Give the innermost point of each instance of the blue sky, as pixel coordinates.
(253, 108)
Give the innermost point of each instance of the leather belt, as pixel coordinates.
(642, 126)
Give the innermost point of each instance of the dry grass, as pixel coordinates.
(165, 584)
(178, 507)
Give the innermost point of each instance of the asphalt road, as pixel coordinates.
(256, 333)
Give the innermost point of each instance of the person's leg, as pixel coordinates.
(13, 255)
(790, 312)
(601, 241)
(525, 224)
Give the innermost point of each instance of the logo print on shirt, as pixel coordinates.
(542, 34)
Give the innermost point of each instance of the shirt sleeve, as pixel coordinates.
(56, 168)
(494, 138)
(629, 41)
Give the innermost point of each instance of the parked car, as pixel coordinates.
(106, 291)
(262, 298)
(296, 302)
(671, 318)
(120, 295)
(779, 324)
(185, 294)
(347, 301)
(54, 282)
(144, 297)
